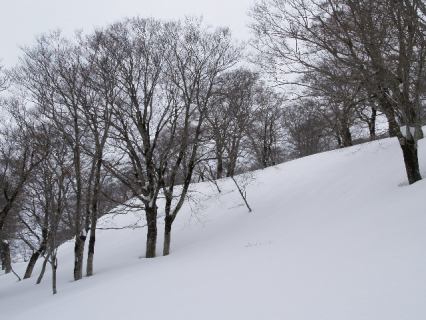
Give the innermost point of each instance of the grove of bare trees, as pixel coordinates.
(142, 108)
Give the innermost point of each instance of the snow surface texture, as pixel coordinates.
(338, 235)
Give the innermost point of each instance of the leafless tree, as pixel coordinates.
(20, 154)
(306, 132)
(237, 90)
(55, 75)
(200, 55)
(265, 131)
(142, 111)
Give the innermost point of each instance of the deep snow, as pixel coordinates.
(337, 235)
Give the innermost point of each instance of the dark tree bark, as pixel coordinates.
(43, 269)
(95, 213)
(151, 239)
(409, 150)
(78, 255)
(219, 168)
(54, 264)
(168, 221)
(372, 124)
(36, 255)
(5, 255)
(91, 253)
(347, 136)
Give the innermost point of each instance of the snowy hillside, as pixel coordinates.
(338, 235)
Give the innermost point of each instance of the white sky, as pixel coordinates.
(21, 20)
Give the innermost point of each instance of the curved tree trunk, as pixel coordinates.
(43, 269)
(36, 255)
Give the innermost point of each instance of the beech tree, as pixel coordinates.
(200, 55)
(141, 112)
(166, 74)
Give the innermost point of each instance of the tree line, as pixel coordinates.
(356, 57)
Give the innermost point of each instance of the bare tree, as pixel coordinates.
(200, 55)
(103, 84)
(20, 154)
(239, 89)
(142, 111)
(55, 75)
(305, 130)
(265, 131)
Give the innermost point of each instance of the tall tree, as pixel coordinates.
(200, 55)
(55, 74)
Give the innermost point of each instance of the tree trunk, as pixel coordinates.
(78, 256)
(372, 124)
(409, 151)
(91, 253)
(43, 269)
(219, 171)
(151, 238)
(347, 137)
(54, 264)
(168, 221)
(36, 255)
(7, 260)
(2, 256)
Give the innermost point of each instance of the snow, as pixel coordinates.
(337, 235)
(406, 129)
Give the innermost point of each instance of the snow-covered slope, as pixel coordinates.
(338, 235)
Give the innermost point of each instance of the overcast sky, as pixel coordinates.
(21, 20)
